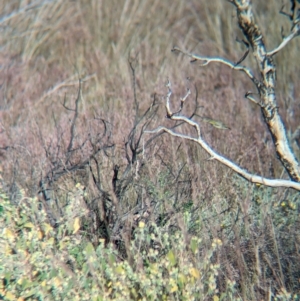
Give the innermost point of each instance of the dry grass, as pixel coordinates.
(46, 49)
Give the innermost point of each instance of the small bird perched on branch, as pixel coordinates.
(216, 123)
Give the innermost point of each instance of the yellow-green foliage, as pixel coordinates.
(39, 262)
(210, 236)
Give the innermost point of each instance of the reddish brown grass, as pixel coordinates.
(46, 49)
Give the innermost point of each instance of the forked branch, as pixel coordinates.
(294, 16)
(206, 60)
(213, 154)
(294, 33)
(265, 84)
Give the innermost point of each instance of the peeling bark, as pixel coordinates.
(266, 86)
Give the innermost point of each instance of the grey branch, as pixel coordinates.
(206, 60)
(266, 93)
(266, 90)
(295, 32)
(265, 85)
(213, 154)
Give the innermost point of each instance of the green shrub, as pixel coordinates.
(40, 262)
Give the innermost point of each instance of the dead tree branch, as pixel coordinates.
(265, 84)
(206, 60)
(213, 154)
(294, 17)
(266, 88)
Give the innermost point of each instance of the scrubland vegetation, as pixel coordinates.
(94, 208)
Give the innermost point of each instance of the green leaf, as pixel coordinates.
(28, 225)
(89, 249)
(85, 268)
(53, 273)
(171, 257)
(194, 245)
(26, 284)
(216, 298)
(112, 259)
(119, 269)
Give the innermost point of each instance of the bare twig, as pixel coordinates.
(266, 89)
(294, 33)
(294, 16)
(249, 96)
(245, 54)
(213, 154)
(17, 13)
(66, 83)
(73, 125)
(132, 62)
(266, 84)
(206, 60)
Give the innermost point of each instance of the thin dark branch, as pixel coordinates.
(131, 62)
(245, 54)
(65, 106)
(73, 125)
